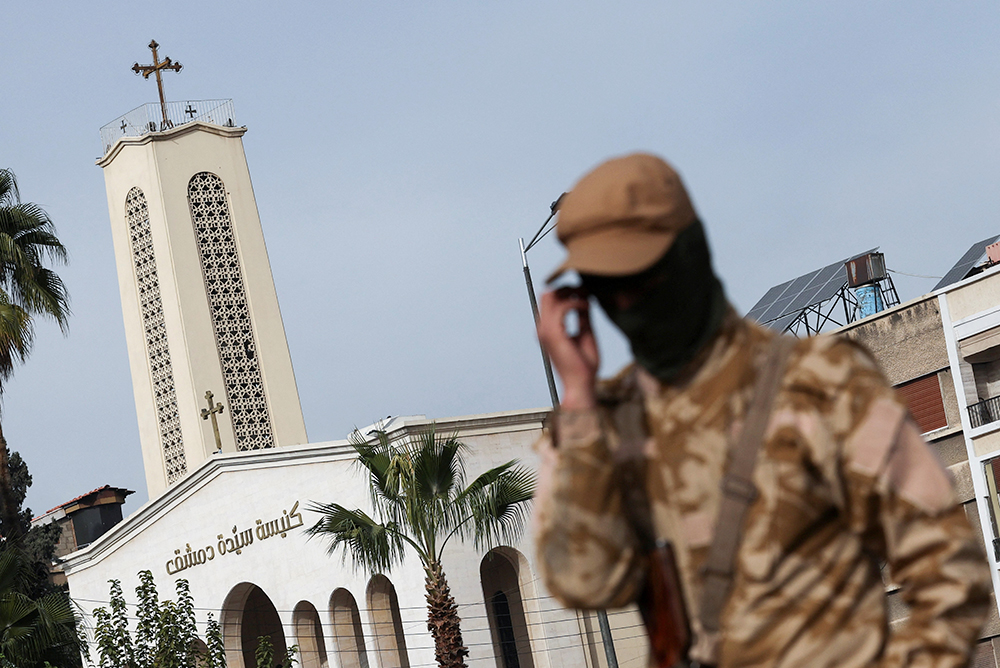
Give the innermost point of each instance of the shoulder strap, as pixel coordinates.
(738, 490)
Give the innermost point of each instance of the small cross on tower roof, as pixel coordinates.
(146, 70)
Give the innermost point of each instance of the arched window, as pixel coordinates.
(500, 575)
(227, 299)
(155, 332)
(504, 630)
(389, 641)
(248, 614)
(309, 636)
(347, 633)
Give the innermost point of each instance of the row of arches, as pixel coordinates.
(248, 614)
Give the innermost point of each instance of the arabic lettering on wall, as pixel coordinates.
(235, 543)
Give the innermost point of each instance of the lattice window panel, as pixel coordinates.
(155, 332)
(227, 298)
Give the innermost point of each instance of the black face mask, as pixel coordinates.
(669, 311)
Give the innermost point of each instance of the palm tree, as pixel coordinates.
(27, 289)
(32, 631)
(421, 501)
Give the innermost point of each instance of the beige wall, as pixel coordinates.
(971, 299)
(908, 342)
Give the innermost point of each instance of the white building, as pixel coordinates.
(201, 315)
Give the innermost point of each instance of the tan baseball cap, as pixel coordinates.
(622, 217)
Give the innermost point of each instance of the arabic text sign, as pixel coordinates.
(235, 544)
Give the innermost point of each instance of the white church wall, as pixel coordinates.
(237, 489)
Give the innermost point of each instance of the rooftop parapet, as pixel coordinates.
(149, 118)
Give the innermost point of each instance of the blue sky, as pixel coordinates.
(398, 151)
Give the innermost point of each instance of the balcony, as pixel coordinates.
(984, 412)
(149, 118)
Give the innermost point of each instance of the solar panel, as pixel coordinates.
(785, 301)
(972, 257)
(777, 309)
(782, 323)
(767, 300)
(807, 297)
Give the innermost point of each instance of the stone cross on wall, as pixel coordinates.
(146, 70)
(211, 411)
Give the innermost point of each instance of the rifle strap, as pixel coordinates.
(738, 490)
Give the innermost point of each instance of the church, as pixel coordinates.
(230, 471)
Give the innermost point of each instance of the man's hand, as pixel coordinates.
(575, 358)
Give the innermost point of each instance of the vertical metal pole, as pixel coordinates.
(609, 643)
(553, 394)
(602, 616)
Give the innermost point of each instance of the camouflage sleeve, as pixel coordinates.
(587, 552)
(902, 501)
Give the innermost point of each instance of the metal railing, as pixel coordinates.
(149, 118)
(986, 411)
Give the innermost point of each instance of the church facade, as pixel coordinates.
(232, 478)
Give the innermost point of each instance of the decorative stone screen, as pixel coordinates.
(227, 299)
(155, 332)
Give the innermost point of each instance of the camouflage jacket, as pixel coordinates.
(846, 484)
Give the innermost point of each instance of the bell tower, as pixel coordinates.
(198, 299)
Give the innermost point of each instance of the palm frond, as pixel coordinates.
(8, 188)
(438, 465)
(16, 337)
(371, 546)
(387, 472)
(44, 294)
(27, 287)
(497, 504)
(30, 628)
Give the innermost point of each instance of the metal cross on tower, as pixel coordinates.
(211, 411)
(146, 70)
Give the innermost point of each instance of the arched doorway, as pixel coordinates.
(499, 573)
(247, 615)
(309, 636)
(389, 641)
(348, 636)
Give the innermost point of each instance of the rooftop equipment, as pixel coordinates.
(814, 301)
(864, 274)
(969, 263)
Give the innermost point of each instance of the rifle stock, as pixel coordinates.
(662, 607)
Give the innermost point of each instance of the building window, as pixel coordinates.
(923, 397)
(500, 607)
(155, 334)
(220, 263)
(501, 572)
